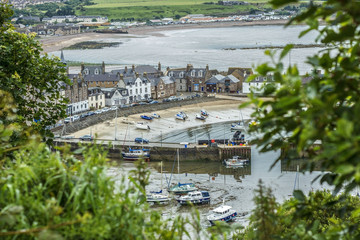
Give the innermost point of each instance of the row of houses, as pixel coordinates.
(94, 87)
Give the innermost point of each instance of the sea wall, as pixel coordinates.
(124, 112)
(197, 153)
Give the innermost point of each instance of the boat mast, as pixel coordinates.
(161, 174)
(178, 164)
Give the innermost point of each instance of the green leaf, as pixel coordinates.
(285, 51)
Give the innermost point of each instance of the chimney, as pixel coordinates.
(207, 67)
(103, 67)
(167, 69)
(137, 75)
(188, 67)
(125, 69)
(121, 76)
(133, 68)
(145, 74)
(82, 67)
(159, 66)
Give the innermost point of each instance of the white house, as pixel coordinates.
(96, 98)
(139, 88)
(115, 96)
(257, 84)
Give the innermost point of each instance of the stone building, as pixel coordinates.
(162, 87)
(77, 94)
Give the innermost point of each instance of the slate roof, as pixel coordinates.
(102, 78)
(109, 92)
(177, 72)
(166, 79)
(131, 80)
(221, 79)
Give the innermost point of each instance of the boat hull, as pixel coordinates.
(194, 201)
(223, 219)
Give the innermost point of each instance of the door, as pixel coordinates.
(189, 89)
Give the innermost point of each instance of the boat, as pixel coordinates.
(223, 213)
(143, 126)
(236, 161)
(200, 117)
(146, 117)
(127, 121)
(184, 114)
(182, 188)
(239, 126)
(204, 113)
(180, 116)
(155, 115)
(195, 197)
(136, 154)
(158, 197)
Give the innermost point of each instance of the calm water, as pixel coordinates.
(200, 47)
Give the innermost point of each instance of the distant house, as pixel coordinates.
(106, 80)
(77, 94)
(190, 79)
(258, 84)
(93, 70)
(115, 96)
(150, 71)
(162, 87)
(96, 98)
(63, 29)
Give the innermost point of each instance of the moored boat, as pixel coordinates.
(238, 126)
(236, 161)
(200, 117)
(136, 154)
(195, 197)
(157, 197)
(143, 126)
(204, 113)
(155, 115)
(146, 117)
(180, 116)
(183, 188)
(223, 213)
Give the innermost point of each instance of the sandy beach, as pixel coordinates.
(219, 111)
(56, 43)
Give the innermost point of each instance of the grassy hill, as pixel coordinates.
(142, 10)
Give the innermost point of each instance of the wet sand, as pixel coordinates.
(56, 43)
(219, 111)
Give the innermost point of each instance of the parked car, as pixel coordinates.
(124, 106)
(75, 118)
(105, 109)
(134, 104)
(98, 111)
(149, 100)
(91, 113)
(166, 100)
(113, 108)
(142, 103)
(67, 120)
(84, 115)
(153, 102)
(173, 98)
(86, 137)
(141, 140)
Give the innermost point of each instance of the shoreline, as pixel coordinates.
(56, 43)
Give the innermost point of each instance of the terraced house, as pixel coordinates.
(162, 87)
(77, 94)
(190, 79)
(138, 87)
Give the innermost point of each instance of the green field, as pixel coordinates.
(143, 13)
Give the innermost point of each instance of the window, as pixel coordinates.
(181, 74)
(161, 87)
(73, 108)
(171, 74)
(123, 92)
(140, 84)
(135, 84)
(200, 73)
(86, 71)
(96, 71)
(180, 80)
(140, 90)
(130, 92)
(180, 87)
(193, 73)
(136, 91)
(146, 90)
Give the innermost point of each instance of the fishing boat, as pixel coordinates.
(204, 113)
(182, 188)
(136, 154)
(239, 126)
(184, 114)
(200, 117)
(236, 161)
(155, 115)
(223, 213)
(146, 117)
(158, 197)
(195, 197)
(143, 126)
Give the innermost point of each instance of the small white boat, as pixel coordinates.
(143, 126)
(236, 161)
(200, 117)
(196, 197)
(136, 154)
(223, 213)
(238, 126)
(155, 115)
(157, 197)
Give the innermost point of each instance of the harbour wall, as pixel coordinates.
(124, 112)
(196, 153)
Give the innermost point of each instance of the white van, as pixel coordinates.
(75, 118)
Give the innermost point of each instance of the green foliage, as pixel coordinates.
(318, 119)
(32, 78)
(319, 215)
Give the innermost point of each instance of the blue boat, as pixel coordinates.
(146, 117)
(195, 197)
(222, 214)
